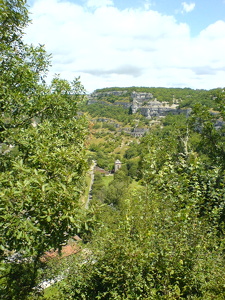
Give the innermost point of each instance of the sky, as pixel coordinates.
(122, 43)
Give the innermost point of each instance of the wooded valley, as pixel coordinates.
(127, 184)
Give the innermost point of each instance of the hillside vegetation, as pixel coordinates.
(151, 229)
(159, 221)
(186, 97)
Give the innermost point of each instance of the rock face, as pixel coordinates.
(157, 109)
(105, 94)
(144, 103)
(150, 107)
(140, 99)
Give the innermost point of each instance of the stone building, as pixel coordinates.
(117, 165)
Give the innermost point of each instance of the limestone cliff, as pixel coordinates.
(145, 103)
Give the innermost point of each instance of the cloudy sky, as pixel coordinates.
(167, 43)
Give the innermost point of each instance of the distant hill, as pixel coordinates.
(153, 102)
(184, 96)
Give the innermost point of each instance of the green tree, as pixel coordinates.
(117, 188)
(210, 126)
(166, 237)
(42, 158)
(150, 251)
(99, 188)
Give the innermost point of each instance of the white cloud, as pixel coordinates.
(99, 3)
(188, 7)
(148, 4)
(133, 47)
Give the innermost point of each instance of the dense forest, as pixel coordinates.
(153, 228)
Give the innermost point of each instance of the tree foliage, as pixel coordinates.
(210, 127)
(165, 239)
(161, 238)
(42, 158)
(116, 112)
